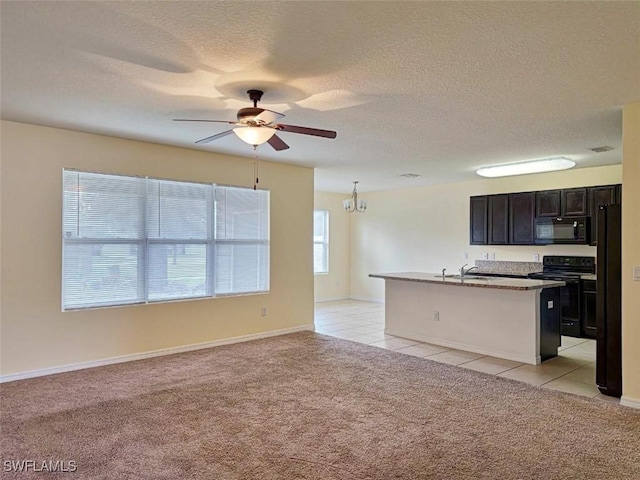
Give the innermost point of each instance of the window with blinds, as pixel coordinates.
(130, 240)
(320, 241)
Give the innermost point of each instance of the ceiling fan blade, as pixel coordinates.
(198, 120)
(307, 131)
(277, 143)
(215, 137)
(268, 116)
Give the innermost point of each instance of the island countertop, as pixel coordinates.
(471, 281)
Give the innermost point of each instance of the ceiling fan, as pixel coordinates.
(257, 125)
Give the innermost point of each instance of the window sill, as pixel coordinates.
(160, 302)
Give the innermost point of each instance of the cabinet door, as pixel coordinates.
(478, 220)
(548, 203)
(602, 195)
(549, 322)
(522, 212)
(498, 219)
(575, 202)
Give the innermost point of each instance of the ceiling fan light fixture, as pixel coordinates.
(524, 168)
(254, 135)
(256, 126)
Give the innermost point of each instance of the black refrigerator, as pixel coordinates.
(609, 301)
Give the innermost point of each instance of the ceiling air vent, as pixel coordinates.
(409, 175)
(601, 149)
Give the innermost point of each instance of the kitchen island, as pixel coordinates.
(511, 318)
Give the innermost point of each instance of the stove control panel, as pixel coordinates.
(560, 263)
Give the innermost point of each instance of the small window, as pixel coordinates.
(320, 241)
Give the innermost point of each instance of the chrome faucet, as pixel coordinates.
(463, 272)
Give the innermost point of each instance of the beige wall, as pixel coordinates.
(36, 335)
(335, 284)
(631, 254)
(427, 228)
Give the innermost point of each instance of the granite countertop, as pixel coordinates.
(588, 277)
(470, 281)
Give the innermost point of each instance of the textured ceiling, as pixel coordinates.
(433, 88)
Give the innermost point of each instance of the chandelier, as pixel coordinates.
(353, 204)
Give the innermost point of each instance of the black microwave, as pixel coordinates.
(564, 230)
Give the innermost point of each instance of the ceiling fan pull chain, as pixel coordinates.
(255, 166)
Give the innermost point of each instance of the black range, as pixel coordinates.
(568, 269)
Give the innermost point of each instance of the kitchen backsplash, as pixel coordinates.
(518, 268)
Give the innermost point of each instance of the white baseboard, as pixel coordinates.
(365, 299)
(154, 353)
(334, 299)
(630, 402)
(331, 299)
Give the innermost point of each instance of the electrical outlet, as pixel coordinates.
(536, 257)
(436, 316)
(465, 256)
(485, 255)
(263, 311)
(492, 256)
(636, 274)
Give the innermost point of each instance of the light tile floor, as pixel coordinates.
(572, 371)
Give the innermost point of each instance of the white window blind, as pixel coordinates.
(180, 237)
(242, 240)
(103, 232)
(320, 241)
(135, 240)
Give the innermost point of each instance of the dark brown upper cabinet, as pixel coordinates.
(522, 211)
(498, 219)
(509, 219)
(602, 195)
(478, 220)
(575, 202)
(548, 203)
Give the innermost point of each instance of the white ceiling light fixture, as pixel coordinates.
(353, 204)
(524, 168)
(254, 135)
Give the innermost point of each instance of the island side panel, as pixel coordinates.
(496, 322)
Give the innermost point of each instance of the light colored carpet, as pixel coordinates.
(307, 406)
